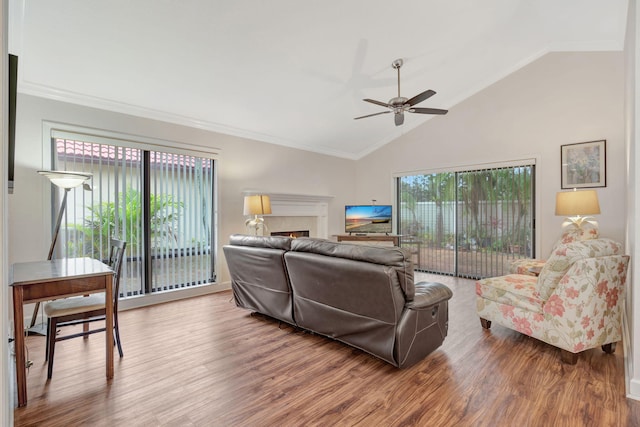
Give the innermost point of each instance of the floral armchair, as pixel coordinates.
(570, 234)
(575, 304)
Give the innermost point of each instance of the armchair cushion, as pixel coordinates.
(513, 290)
(575, 234)
(570, 234)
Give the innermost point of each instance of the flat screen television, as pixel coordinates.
(368, 219)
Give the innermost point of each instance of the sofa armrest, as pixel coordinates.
(428, 294)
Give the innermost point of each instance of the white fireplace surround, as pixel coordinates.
(314, 208)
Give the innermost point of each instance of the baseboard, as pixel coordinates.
(634, 390)
(632, 385)
(145, 300)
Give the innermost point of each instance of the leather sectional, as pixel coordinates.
(364, 296)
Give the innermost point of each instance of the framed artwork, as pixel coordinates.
(584, 164)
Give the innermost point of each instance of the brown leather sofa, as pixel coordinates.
(364, 296)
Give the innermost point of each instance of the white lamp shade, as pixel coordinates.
(577, 203)
(259, 204)
(65, 179)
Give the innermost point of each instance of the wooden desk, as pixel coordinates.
(47, 280)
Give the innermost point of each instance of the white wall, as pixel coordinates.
(243, 165)
(562, 98)
(6, 397)
(632, 116)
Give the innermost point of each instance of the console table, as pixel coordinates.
(370, 238)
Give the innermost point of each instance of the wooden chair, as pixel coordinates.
(84, 309)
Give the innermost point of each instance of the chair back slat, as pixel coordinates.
(116, 258)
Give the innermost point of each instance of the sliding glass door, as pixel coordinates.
(160, 203)
(468, 223)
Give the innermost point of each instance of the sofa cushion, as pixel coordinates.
(398, 258)
(514, 290)
(385, 255)
(258, 275)
(268, 242)
(564, 255)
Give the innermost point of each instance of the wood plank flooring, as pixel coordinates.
(205, 362)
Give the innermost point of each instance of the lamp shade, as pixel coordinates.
(577, 203)
(65, 179)
(259, 204)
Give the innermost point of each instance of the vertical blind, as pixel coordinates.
(469, 223)
(170, 249)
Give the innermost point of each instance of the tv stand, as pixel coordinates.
(370, 238)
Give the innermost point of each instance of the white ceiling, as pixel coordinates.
(292, 72)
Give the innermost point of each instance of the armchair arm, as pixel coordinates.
(585, 309)
(523, 266)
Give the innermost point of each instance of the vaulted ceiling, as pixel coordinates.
(292, 72)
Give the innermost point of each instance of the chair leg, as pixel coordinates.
(568, 357)
(85, 329)
(486, 324)
(53, 325)
(609, 348)
(46, 347)
(116, 335)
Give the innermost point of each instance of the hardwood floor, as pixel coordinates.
(204, 362)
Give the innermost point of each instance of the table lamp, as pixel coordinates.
(577, 206)
(65, 180)
(255, 205)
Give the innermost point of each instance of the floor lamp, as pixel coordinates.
(65, 180)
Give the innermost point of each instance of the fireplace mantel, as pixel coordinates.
(295, 205)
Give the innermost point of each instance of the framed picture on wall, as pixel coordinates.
(584, 164)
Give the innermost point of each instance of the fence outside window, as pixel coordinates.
(468, 223)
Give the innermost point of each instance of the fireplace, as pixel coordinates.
(298, 212)
(294, 234)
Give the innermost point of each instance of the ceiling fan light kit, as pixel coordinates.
(400, 104)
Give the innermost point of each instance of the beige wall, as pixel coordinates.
(562, 98)
(243, 165)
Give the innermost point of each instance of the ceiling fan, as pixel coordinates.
(400, 104)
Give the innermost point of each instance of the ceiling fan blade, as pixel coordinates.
(380, 103)
(428, 111)
(399, 118)
(371, 115)
(421, 97)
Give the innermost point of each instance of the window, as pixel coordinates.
(161, 203)
(468, 223)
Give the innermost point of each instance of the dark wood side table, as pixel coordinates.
(46, 280)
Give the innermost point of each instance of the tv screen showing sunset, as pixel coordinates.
(368, 219)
